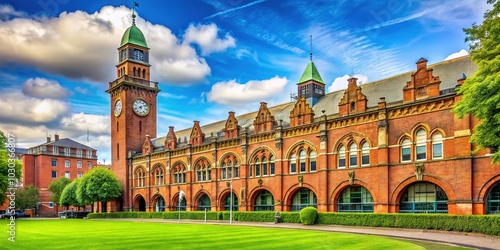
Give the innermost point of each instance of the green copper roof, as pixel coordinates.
(311, 73)
(134, 36)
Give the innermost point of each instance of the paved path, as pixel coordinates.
(471, 240)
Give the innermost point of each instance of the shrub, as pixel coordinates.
(261, 216)
(308, 215)
(290, 217)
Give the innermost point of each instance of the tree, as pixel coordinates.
(27, 197)
(10, 169)
(481, 92)
(56, 187)
(98, 185)
(68, 195)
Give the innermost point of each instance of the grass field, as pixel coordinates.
(107, 234)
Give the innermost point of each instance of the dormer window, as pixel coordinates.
(138, 55)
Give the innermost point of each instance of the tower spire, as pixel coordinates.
(311, 47)
(134, 4)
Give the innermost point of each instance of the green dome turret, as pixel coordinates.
(133, 35)
(311, 73)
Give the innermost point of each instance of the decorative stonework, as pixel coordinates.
(351, 177)
(264, 121)
(300, 179)
(353, 101)
(419, 171)
(302, 113)
(231, 128)
(422, 108)
(196, 137)
(260, 182)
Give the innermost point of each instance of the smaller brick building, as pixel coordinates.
(49, 161)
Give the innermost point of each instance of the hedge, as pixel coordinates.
(484, 224)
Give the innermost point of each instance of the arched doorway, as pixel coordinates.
(140, 203)
(264, 201)
(423, 197)
(355, 199)
(304, 197)
(160, 205)
(227, 202)
(204, 203)
(493, 202)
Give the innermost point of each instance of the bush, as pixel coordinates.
(260, 216)
(290, 217)
(308, 215)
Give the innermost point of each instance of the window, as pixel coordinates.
(203, 171)
(51, 204)
(264, 201)
(141, 178)
(89, 153)
(406, 150)
(231, 199)
(264, 166)
(159, 176)
(89, 165)
(67, 163)
(355, 199)
(493, 202)
(304, 198)
(179, 174)
(302, 161)
(341, 155)
(423, 197)
(204, 203)
(79, 153)
(54, 162)
(271, 164)
(54, 174)
(257, 167)
(67, 151)
(160, 205)
(79, 164)
(55, 150)
(353, 155)
(67, 174)
(365, 154)
(224, 171)
(79, 175)
(312, 161)
(293, 164)
(437, 146)
(421, 151)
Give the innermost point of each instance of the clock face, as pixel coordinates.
(118, 107)
(140, 107)
(138, 55)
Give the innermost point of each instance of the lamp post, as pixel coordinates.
(181, 196)
(231, 201)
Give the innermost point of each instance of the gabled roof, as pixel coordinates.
(67, 143)
(311, 73)
(391, 88)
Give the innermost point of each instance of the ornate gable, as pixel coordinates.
(302, 113)
(147, 146)
(353, 100)
(264, 120)
(231, 129)
(171, 140)
(196, 137)
(422, 84)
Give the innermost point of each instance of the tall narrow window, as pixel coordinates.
(312, 161)
(293, 164)
(236, 170)
(271, 164)
(257, 167)
(224, 169)
(406, 150)
(264, 166)
(250, 169)
(302, 161)
(365, 154)
(437, 146)
(421, 147)
(353, 155)
(341, 156)
(79, 164)
(230, 170)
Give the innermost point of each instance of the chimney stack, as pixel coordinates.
(48, 138)
(56, 137)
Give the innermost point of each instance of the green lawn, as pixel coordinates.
(107, 234)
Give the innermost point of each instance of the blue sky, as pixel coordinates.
(209, 57)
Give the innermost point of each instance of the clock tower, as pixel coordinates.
(133, 108)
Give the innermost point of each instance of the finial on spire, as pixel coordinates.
(311, 49)
(135, 4)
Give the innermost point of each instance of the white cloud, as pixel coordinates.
(95, 124)
(80, 45)
(340, 83)
(457, 55)
(231, 92)
(206, 37)
(17, 107)
(6, 11)
(44, 88)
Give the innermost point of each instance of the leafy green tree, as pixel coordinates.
(56, 187)
(481, 91)
(98, 185)
(10, 169)
(68, 195)
(27, 197)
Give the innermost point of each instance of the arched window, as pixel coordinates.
(437, 146)
(341, 156)
(141, 178)
(250, 169)
(421, 147)
(304, 198)
(423, 197)
(257, 167)
(365, 154)
(236, 169)
(312, 161)
(493, 202)
(264, 166)
(160, 205)
(134, 72)
(271, 165)
(264, 201)
(406, 150)
(227, 202)
(224, 171)
(179, 174)
(353, 155)
(302, 161)
(159, 176)
(353, 106)
(293, 164)
(144, 73)
(139, 72)
(204, 203)
(355, 199)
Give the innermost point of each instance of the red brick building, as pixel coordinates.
(386, 147)
(56, 158)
